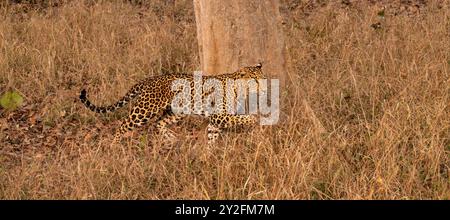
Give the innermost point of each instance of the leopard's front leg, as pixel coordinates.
(218, 122)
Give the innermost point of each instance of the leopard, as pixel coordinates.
(153, 96)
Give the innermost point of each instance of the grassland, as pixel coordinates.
(366, 112)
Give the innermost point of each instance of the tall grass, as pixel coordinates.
(365, 114)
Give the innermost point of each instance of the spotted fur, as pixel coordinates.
(154, 96)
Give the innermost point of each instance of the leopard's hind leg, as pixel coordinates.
(139, 115)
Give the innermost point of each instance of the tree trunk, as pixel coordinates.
(236, 33)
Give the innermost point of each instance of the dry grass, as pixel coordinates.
(365, 114)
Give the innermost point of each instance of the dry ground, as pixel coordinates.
(365, 113)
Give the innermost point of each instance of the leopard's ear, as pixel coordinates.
(259, 65)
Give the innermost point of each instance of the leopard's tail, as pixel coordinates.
(131, 94)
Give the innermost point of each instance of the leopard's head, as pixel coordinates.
(252, 72)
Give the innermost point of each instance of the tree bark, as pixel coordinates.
(236, 33)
